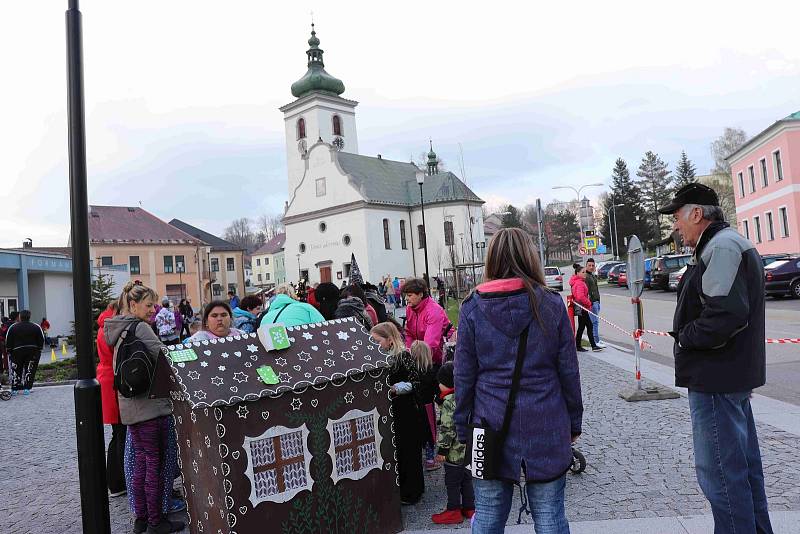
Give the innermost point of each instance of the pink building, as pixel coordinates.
(766, 182)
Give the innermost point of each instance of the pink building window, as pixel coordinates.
(776, 156)
(784, 220)
(752, 175)
(746, 228)
(741, 185)
(764, 178)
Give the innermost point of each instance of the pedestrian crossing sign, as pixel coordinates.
(590, 243)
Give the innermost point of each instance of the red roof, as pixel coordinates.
(122, 224)
(272, 246)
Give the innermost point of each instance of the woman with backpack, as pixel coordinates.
(516, 377)
(148, 420)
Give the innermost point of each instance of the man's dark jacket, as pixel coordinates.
(591, 283)
(719, 318)
(24, 335)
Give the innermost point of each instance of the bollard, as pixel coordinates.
(571, 313)
(53, 355)
(64, 349)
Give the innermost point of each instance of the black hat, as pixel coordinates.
(445, 375)
(691, 194)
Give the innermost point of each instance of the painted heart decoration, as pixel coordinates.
(359, 342)
(307, 375)
(235, 389)
(248, 364)
(324, 332)
(297, 367)
(330, 351)
(243, 510)
(213, 341)
(265, 415)
(237, 354)
(326, 341)
(181, 365)
(366, 393)
(229, 338)
(253, 357)
(314, 347)
(314, 402)
(352, 329)
(384, 419)
(318, 369)
(207, 352)
(235, 455)
(205, 342)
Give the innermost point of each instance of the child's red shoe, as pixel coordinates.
(468, 512)
(448, 517)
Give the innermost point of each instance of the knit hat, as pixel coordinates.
(445, 375)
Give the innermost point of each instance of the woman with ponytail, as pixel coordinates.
(148, 420)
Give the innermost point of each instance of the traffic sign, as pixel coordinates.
(582, 251)
(590, 243)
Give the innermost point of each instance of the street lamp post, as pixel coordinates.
(420, 175)
(180, 268)
(299, 272)
(614, 238)
(88, 417)
(580, 215)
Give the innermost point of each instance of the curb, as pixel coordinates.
(58, 383)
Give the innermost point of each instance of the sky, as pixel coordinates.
(182, 96)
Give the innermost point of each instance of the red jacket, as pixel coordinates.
(105, 374)
(580, 291)
(426, 322)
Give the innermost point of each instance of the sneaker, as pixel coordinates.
(165, 527)
(176, 505)
(448, 517)
(139, 526)
(117, 493)
(581, 349)
(26, 392)
(601, 344)
(468, 512)
(14, 392)
(431, 465)
(597, 348)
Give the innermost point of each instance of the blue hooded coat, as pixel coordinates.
(548, 410)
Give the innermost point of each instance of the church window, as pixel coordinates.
(321, 187)
(347, 270)
(346, 240)
(449, 239)
(337, 125)
(421, 236)
(403, 244)
(323, 226)
(301, 128)
(355, 445)
(386, 243)
(302, 248)
(278, 464)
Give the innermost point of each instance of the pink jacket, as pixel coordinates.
(580, 291)
(426, 322)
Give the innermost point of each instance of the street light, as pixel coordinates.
(615, 238)
(299, 272)
(420, 175)
(578, 194)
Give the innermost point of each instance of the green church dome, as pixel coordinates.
(315, 78)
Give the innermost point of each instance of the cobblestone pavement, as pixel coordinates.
(639, 462)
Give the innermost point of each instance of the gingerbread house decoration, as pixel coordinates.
(291, 441)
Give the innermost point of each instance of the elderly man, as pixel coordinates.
(720, 357)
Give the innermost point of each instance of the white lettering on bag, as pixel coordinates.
(478, 453)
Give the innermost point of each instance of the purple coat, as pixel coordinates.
(548, 408)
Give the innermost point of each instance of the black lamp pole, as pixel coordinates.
(88, 418)
(420, 181)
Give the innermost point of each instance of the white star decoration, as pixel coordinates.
(193, 374)
(195, 466)
(203, 364)
(193, 417)
(285, 377)
(207, 442)
(348, 397)
(342, 335)
(240, 377)
(329, 362)
(378, 387)
(221, 368)
(252, 348)
(200, 394)
(281, 361)
(307, 335)
(347, 355)
(242, 411)
(304, 356)
(224, 354)
(210, 500)
(296, 403)
(217, 381)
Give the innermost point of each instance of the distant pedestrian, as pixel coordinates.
(354, 290)
(327, 295)
(594, 297)
(187, 316)
(45, 324)
(233, 300)
(720, 357)
(425, 319)
(166, 325)
(245, 317)
(512, 320)
(24, 343)
(398, 293)
(580, 294)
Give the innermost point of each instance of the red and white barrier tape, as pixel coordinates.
(643, 344)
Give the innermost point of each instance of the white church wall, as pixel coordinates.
(381, 261)
(336, 189)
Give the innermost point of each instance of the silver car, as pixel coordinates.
(675, 278)
(554, 278)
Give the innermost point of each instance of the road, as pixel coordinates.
(782, 321)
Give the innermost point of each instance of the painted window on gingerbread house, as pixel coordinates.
(355, 444)
(278, 464)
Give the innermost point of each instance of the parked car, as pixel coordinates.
(675, 278)
(769, 258)
(782, 278)
(613, 273)
(622, 276)
(648, 272)
(554, 278)
(603, 268)
(663, 266)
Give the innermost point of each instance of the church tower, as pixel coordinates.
(319, 113)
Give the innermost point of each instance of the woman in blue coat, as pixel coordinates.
(547, 413)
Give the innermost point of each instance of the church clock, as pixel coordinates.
(338, 142)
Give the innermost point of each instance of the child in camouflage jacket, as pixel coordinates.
(457, 479)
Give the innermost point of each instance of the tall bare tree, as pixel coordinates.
(729, 142)
(241, 233)
(270, 224)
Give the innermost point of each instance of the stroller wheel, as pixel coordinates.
(578, 462)
(5, 395)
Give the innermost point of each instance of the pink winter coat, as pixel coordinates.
(580, 291)
(426, 322)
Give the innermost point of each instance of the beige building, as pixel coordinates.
(161, 256)
(223, 264)
(267, 263)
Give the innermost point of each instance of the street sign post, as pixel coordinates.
(590, 243)
(636, 287)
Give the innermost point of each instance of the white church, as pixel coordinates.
(342, 203)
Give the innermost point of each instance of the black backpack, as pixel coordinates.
(135, 368)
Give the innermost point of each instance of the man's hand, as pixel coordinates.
(439, 458)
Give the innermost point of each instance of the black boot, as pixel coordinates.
(165, 527)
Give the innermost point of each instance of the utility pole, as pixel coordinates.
(539, 223)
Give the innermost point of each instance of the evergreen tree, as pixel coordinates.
(684, 172)
(629, 213)
(512, 217)
(102, 293)
(656, 189)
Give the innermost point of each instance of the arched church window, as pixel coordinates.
(337, 125)
(301, 128)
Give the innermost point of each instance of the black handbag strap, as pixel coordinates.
(512, 396)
